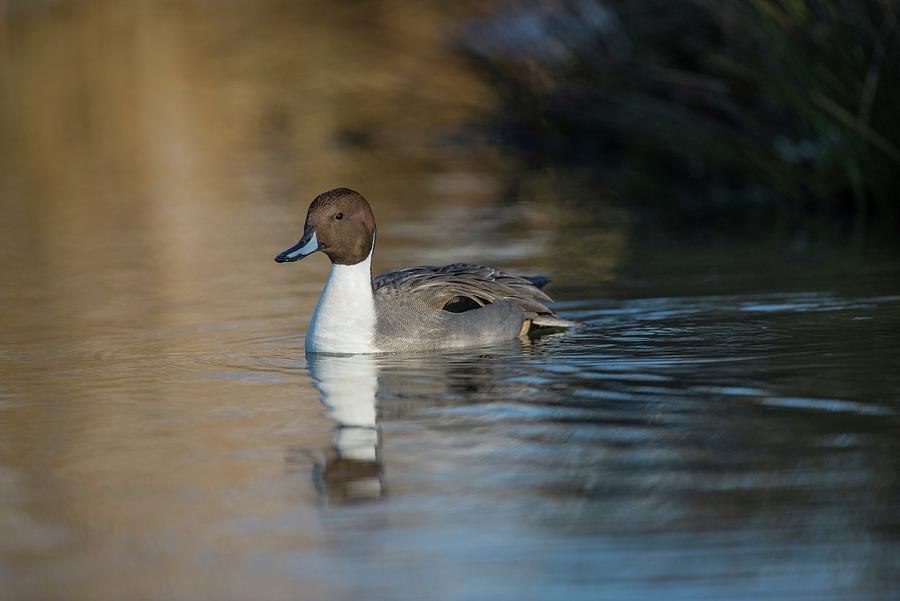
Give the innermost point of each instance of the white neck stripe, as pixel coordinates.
(344, 319)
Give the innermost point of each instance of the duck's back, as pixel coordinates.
(422, 308)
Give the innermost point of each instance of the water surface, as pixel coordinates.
(723, 425)
(738, 446)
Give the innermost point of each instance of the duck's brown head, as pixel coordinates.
(340, 224)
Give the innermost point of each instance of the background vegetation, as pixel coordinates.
(708, 105)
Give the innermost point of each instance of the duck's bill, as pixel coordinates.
(308, 245)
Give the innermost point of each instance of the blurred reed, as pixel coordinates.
(708, 104)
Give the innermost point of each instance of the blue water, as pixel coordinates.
(724, 425)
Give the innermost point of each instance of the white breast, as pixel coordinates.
(344, 319)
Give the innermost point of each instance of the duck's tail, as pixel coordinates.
(552, 321)
(545, 321)
(540, 325)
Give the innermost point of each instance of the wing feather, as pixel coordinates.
(437, 286)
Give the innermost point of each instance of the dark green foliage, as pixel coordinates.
(710, 102)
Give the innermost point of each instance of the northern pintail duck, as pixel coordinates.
(413, 309)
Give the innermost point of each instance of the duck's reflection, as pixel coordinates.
(352, 470)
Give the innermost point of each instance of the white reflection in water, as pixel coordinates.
(348, 385)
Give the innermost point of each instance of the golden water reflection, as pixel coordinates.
(154, 157)
(162, 437)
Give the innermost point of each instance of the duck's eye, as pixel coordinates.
(339, 216)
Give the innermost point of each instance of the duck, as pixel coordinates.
(423, 308)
